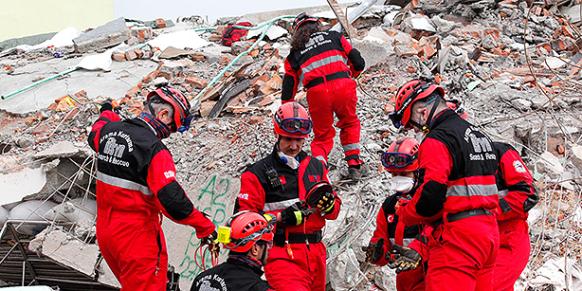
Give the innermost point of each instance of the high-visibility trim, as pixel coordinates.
(122, 183)
(351, 147)
(503, 193)
(280, 205)
(321, 63)
(472, 190)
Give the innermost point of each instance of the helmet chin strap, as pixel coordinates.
(425, 128)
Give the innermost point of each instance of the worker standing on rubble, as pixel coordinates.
(281, 184)
(457, 194)
(136, 180)
(324, 63)
(516, 197)
(404, 248)
(249, 236)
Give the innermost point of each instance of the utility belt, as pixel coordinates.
(296, 238)
(321, 80)
(452, 217)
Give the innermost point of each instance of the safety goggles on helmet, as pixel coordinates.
(295, 125)
(186, 119)
(256, 236)
(392, 160)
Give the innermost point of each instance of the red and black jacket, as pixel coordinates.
(270, 186)
(234, 274)
(457, 171)
(136, 174)
(391, 231)
(326, 53)
(515, 183)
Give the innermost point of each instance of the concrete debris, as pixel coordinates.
(63, 38)
(560, 273)
(102, 37)
(19, 184)
(3, 215)
(63, 149)
(69, 251)
(550, 164)
(179, 39)
(273, 33)
(33, 210)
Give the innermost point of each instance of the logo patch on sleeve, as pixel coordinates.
(519, 166)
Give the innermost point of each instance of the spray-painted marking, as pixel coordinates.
(215, 193)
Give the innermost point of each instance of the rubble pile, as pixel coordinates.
(515, 65)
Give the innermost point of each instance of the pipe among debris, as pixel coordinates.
(267, 24)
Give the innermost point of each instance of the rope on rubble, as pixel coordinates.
(267, 24)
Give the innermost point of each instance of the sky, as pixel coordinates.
(150, 9)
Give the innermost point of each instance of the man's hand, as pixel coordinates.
(294, 214)
(212, 241)
(403, 258)
(374, 251)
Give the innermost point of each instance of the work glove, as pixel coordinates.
(294, 214)
(321, 197)
(212, 241)
(403, 258)
(374, 251)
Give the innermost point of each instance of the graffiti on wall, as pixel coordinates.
(218, 197)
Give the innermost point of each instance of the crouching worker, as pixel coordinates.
(249, 236)
(403, 248)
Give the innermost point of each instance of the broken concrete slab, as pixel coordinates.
(113, 84)
(273, 33)
(19, 184)
(32, 210)
(71, 252)
(577, 157)
(108, 35)
(550, 164)
(63, 149)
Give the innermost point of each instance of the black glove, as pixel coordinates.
(374, 251)
(294, 214)
(321, 197)
(403, 258)
(210, 239)
(106, 106)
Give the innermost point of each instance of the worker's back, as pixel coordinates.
(237, 273)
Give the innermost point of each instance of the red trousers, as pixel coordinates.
(334, 97)
(514, 248)
(412, 280)
(462, 255)
(134, 249)
(306, 271)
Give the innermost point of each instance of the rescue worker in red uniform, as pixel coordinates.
(278, 184)
(457, 192)
(516, 197)
(390, 234)
(249, 240)
(324, 63)
(136, 180)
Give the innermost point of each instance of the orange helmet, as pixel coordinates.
(246, 229)
(292, 120)
(181, 106)
(457, 106)
(401, 156)
(407, 95)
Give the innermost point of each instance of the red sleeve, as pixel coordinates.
(290, 83)
(428, 200)
(252, 195)
(171, 198)
(337, 202)
(355, 60)
(381, 232)
(105, 117)
(518, 180)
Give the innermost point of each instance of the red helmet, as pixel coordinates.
(246, 229)
(292, 120)
(457, 106)
(401, 156)
(301, 19)
(180, 104)
(407, 95)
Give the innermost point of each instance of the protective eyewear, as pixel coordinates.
(186, 121)
(391, 160)
(296, 125)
